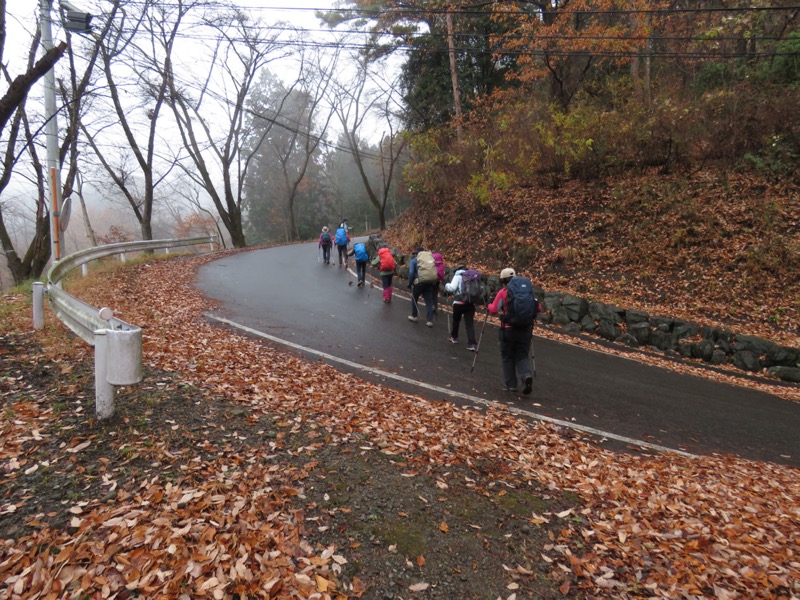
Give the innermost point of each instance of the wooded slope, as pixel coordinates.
(711, 246)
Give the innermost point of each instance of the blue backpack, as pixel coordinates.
(361, 253)
(341, 237)
(521, 305)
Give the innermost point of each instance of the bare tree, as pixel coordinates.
(12, 114)
(357, 107)
(242, 50)
(296, 119)
(144, 43)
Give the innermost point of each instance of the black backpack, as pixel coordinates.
(521, 305)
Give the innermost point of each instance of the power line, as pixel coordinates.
(366, 12)
(655, 53)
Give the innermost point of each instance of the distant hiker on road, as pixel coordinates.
(342, 239)
(518, 309)
(387, 267)
(466, 289)
(325, 242)
(362, 257)
(422, 277)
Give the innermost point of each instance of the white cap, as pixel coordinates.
(507, 273)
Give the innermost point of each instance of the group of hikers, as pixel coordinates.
(515, 302)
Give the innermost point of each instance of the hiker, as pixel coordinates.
(421, 279)
(464, 300)
(342, 239)
(438, 260)
(362, 257)
(517, 308)
(325, 242)
(387, 267)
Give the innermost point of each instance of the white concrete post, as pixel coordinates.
(85, 269)
(103, 391)
(38, 305)
(122, 257)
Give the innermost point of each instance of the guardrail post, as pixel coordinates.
(85, 270)
(38, 305)
(103, 390)
(122, 257)
(124, 348)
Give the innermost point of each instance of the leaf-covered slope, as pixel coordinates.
(711, 247)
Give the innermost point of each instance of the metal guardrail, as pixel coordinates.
(82, 318)
(117, 344)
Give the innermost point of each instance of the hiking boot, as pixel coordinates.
(508, 389)
(429, 323)
(528, 385)
(361, 284)
(452, 339)
(412, 318)
(472, 347)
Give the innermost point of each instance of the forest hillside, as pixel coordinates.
(715, 246)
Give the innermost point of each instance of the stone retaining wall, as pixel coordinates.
(638, 329)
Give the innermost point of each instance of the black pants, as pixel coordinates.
(342, 254)
(426, 291)
(326, 253)
(463, 309)
(361, 270)
(515, 350)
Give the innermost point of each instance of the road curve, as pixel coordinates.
(289, 294)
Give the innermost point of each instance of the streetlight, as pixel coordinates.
(78, 21)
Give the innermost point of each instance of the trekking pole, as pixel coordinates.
(480, 338)
(414, 301)
(533, 357)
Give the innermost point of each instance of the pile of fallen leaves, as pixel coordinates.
(713, 247)
(227, 523)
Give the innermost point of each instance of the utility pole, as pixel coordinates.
(79, 22)
(51, 134)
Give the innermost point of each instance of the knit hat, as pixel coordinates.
(417, 250)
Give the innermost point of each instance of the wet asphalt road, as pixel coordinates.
(288, 293)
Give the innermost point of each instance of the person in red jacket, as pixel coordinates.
(515, 342)
(387, 268)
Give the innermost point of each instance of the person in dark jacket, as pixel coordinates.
(326, 243)
(359, 251)
(419, 289)
(515, 342)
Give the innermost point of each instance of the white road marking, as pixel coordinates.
(452, 393)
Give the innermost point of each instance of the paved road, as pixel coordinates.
(287, 294)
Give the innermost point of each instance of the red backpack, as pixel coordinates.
(438, 260)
